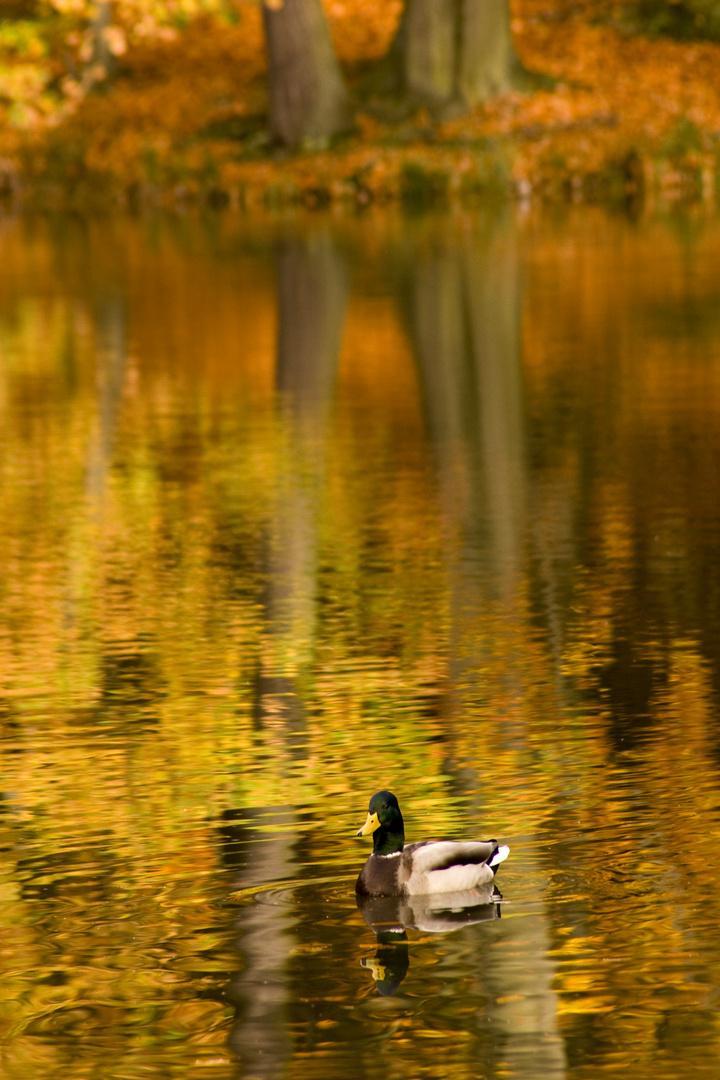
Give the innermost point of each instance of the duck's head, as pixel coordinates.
(385, 822)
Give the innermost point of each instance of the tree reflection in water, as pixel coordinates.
(294, 511)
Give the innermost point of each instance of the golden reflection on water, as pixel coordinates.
(293, 513)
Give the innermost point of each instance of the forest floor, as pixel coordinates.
(183, 121)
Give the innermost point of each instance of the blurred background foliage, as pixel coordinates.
(55, 51)
(129, 102)
(685, 19)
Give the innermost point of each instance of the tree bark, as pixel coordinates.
(456, 52)
(487, 63)
(308, 100)
(430, 49)
(102, 56)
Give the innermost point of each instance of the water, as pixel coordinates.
(295, 510)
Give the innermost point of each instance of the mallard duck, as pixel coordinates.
(431, 866)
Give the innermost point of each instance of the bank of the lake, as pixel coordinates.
(184, 121)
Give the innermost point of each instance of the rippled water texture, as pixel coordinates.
(293, 511)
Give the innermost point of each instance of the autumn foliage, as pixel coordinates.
(183, 114)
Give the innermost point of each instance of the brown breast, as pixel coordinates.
(379, 876)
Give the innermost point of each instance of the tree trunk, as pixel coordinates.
(456, 52)
(102, 57)
(308, 100)
(430, 49)
(487, 63)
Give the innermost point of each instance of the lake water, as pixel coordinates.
(297, 509)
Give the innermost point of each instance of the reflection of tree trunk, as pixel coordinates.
(465, 318)
(130, 665)
(465, 302)
(308, 102)
(311, 302)
(465, 315)
(260, 992)
(464, 312)
(493, 306)
(522, 1004)
(311, 307)
(110, 379)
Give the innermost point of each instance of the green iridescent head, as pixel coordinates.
(385, 822)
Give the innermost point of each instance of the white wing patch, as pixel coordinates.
(440, 866)
(458, 878)
(438, 855)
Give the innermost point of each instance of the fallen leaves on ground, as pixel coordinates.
(185, 118)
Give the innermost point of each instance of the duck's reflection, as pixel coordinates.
(390, 964)
(389, 917)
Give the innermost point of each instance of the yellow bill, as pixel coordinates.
(372, 823)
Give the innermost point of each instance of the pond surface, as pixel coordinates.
(296, 510)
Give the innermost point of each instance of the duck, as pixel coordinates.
(424, 868)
